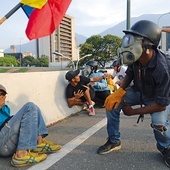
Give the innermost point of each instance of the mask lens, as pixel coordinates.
(86, 71)
(128, 40)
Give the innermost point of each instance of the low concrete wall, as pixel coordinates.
(46, 89)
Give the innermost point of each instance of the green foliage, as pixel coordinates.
(27, 61)
(43, 62)
(11, 61)
(21, 70)
(103, 49)
(38, 62)
(4, 70)
(8, 61)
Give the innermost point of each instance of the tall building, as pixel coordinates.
(62, 41)
(13, 48)
(165, 41)
(1, 53)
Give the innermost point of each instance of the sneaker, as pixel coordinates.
(91, 111)
(166, 155)
(86, 105)
(47, 147)
(29, 159)
(109, 147)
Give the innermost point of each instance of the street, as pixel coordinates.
(81, 135)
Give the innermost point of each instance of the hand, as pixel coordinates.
(79, 94)
(113, 100)
(118, 82)
(127, 109)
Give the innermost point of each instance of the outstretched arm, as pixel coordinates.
(166, 30)
(98, 78)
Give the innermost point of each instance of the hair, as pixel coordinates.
(2, 93)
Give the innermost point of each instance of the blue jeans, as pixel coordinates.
(158, 118)
(22, 130)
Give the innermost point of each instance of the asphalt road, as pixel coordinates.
(81, 135)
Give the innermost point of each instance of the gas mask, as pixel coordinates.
(131, 49)
(86, 71)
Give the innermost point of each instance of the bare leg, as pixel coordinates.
(87, 96)
(22, 153)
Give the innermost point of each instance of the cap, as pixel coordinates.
(3, 88)
(71, 74)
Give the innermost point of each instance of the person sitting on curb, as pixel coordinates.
(78, 91)
(100, 87)
(118, 71)
(21, 135)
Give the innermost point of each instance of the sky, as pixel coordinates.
(91, 17)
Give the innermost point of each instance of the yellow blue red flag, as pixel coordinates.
(44, 21)
(34, 3)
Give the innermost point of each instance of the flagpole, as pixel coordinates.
(12, 11)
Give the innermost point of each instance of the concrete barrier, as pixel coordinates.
(46, 89)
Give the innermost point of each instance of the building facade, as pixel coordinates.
(165, 41)
(62, 41)
(1, 53)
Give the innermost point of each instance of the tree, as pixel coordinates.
(43, 62)
(8, 61)
(27, 61)
(103, 49)
(31, 61)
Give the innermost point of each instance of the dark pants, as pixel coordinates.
(100, 97)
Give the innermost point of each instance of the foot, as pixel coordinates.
(166, 155)
(91, 111)
(86, 105)
(29, 159)
(47, 147)
(109, 147)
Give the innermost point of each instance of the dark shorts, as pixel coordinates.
(92, 92)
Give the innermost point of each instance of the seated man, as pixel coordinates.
(100, 87)
(119, 71)
(78, 91)
(22, 135)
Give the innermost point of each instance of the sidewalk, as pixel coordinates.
(138, 145)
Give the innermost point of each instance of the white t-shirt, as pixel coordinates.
(121, 74)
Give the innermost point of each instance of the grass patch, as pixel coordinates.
(21, 70)
(4, 70)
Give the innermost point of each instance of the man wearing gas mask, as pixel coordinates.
(150, 70)
(100, 87)
(119, 70)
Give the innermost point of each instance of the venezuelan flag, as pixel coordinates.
(43, 22)
(34, 3)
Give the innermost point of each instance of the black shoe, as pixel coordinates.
(109, 147)
(166, 155)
